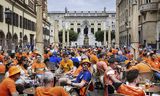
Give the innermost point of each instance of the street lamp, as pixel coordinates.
(8, 16)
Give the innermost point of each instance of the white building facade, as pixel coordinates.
(86, 23)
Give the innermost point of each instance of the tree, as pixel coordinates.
(100, 35)
(72, 35)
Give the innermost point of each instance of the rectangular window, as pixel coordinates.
(92, 30)
(78, 30)
(1, 13)
(78, 24)
(99, 23)
(99, 29)
(72, 29)
(24, 23)
(20, 22)
(17, 20)
(72, 24)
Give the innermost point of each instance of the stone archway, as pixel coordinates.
(15, 39)
(2, 39)
(15, 42)
(25, 40)
(9, 41)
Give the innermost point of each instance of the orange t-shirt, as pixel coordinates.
(141, 67)
(130, 91)
(66, 66)
(59, 91)
(7, 87)
(154, 64)
(78, 70)
(94, 59)
(50, 91)
(39, 67)
(2, 68)
(44, 91)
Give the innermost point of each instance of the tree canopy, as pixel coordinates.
(99, 35)
(72, 35)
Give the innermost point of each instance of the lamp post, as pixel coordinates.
(8, 15)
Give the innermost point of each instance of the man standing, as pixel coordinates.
(8, 87)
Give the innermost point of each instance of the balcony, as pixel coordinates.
(149, 7)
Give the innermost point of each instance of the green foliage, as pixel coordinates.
(72, 35)
(100, 36)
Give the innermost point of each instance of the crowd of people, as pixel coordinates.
(83, 69)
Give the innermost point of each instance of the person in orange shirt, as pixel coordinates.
(7, 86)
(39, 67)
(130, 89)
(142, 67)
(2, 70)
(66, 64)
(93, 58)
(48, 89)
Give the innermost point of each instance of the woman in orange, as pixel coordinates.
(39, 67)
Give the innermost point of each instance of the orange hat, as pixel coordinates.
(86, 61)
(14, 70)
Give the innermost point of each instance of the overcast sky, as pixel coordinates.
(81, 5)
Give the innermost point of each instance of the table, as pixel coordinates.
(151, 90)
(29, 91)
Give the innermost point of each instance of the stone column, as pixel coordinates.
(134, 32)
(109, 37)
(95, 27)
(56, 37)
(67, 38)
(39, 33)
(75, 26)
(104, 40)
(117, 27)
(63, 39)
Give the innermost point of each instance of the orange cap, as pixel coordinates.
(14, 70)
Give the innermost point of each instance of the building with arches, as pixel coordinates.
(86, 23)
(18, 26)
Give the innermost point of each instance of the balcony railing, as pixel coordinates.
(149, 7)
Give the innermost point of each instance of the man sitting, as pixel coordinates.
(48, 89)
(130, 89)
(82, 79)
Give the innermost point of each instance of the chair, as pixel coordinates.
(87, 87)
